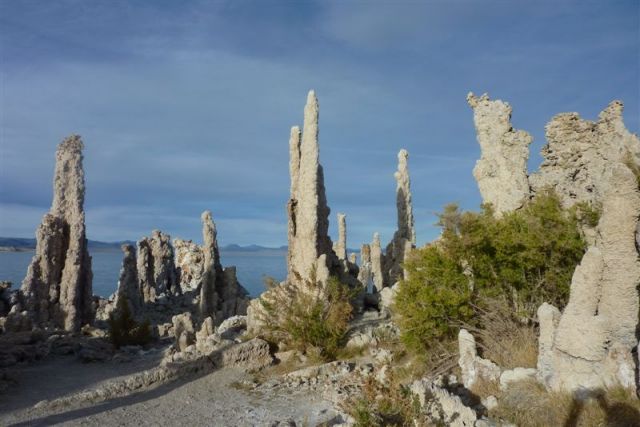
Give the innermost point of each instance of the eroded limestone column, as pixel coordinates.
(58, 285)
(501, 172)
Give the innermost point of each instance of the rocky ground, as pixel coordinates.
(226, 397)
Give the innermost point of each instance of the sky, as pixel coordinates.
(186, 106)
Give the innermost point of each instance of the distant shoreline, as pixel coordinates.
(264, 252)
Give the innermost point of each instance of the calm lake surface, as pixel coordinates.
(251, 268)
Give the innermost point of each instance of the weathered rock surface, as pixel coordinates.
(128, 285)
(443, 406)
(307, 207)
(516, 375)
(595, 335)
(156, 266)
(340, 247)
(212, 267)
(579, 152)
(57, 289)
(404, 239)
(473, 367)
(189, 260)
(310, 256)
(221, 295)
(365, 274)
(376, 263)
(501, 172)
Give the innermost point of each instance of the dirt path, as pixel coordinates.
(210, 400)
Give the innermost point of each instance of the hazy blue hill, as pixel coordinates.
(20, 243)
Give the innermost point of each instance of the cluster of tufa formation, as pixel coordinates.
(385, 269)
(57, 289)
(149, 282)
(591, 343)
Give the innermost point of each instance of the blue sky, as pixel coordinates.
(186, 106)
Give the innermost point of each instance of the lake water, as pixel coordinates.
(251, 268)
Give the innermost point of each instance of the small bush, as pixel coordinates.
(389, 404)
(524, 257)
(435, 295)
(313, 318)
(124, 330)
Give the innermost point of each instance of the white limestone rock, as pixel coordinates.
(57, 289)
(516, 375)
(404, 239)
(156, 266)
(377, 259)
(593, 342)
(189, 261)
(501, 172)
(443, 407)
(472, 366)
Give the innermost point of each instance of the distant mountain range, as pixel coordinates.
(18, 244)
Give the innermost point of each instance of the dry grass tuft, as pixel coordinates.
(502, 338)
(528, 404)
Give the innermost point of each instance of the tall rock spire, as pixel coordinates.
(212, 267)
(57, 288)
(308, 213)
(340, 247)
(404, 238)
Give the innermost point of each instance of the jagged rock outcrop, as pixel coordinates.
(501, 172)
(579, 152)
(189, 260)
(442, 406)
(156, 267)
(404, 238)
(221, 295)
(183, 331)
(592, 345)
(128, 284)
(57, 290)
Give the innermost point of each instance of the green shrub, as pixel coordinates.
(435, 294)
(308, 318)
(526, 256)
(124, 330)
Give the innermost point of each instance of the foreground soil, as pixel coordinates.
(215, 399)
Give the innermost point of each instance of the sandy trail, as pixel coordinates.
(209, 400)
